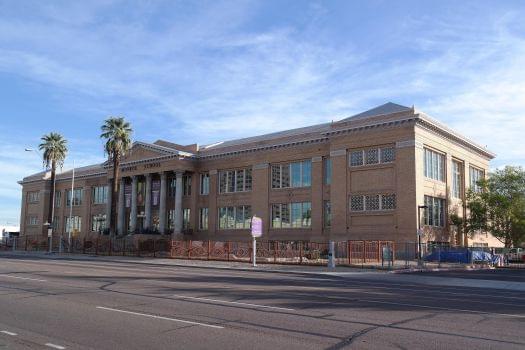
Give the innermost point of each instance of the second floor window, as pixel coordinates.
(327, 171)
(100, 194)
(58, 199)
(372, 156)
(186, 217)
(235, 180)
(372, 202)
(296, 174)
(203, 218)
(434, 164)
(205, 184)
(33, 197)
(476, 175)
(32, 220)
(77, 197)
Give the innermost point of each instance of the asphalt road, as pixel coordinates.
(57, 304)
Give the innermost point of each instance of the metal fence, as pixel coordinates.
(383, 254)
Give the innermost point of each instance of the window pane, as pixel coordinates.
(372, 202)
(222, 181)
(388, 154)
(372, 156)
(231, 181)
(276, 176)
(285, 175)
(276, 215)
(222, 218)
(296, 174)
(388, 201)
(296, 214)
(328, 171)
(239, 217)
(247, 216)
(248, 179)
(307, 173)
(356, 203)
(356, 158)
(306, 214)
(285, 216)
(239, 180)
(327, 214)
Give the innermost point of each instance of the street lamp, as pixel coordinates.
(419, 232)
(50, 225)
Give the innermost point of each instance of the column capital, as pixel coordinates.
(148, 175)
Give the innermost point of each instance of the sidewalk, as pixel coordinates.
(344, 272)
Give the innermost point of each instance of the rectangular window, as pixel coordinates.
(141, 192)
(186, 218)
(56, 224)
(238, 217)
(434, 214)
(171, 219)
(77, 197)
(372, 202)
(203, 219)
(357, 203)
(100, 194)
(327, 214)
(327, 171)
(32, 220)
(172, 187)
(235, 180)
(475, 175)
(186, 185)
(388, 154)
(296, 174)
(372, 156)
(98, 223)
(58, 199)
(204, 184)
(75, 225)
(295, 215)
(356, 158)
(456, 179)
(434, 163)
(33, 197)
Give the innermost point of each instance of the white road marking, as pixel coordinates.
(160, 317)
(23, 278)
(442, 308)
(232, 302)
(8, 333)
(54, 346)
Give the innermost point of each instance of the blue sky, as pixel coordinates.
(204, 71)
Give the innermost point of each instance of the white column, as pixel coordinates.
(178, 204)
(133, 214)
(121, 208)
(147, 219)
(162, 204)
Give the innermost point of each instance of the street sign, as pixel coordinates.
(256, 227)
(49, 232)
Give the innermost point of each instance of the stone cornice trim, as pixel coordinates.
(369, 126)
(448, 134)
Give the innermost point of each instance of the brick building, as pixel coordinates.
(362, 177)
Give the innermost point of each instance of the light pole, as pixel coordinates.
(50, 225)
(419, 232)
(71, 209)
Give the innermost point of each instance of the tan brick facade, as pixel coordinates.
(388, 191)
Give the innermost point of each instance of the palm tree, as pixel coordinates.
(54, 147)
(117, 133)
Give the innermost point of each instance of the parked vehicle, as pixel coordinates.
(516, 254)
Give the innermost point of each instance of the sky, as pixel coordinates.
(206, 71)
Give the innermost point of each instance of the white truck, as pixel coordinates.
(516, 255)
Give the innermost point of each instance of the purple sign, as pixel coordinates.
(256, 227)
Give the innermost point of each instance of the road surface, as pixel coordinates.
(90, 304)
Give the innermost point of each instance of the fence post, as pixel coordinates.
(275, 248)
(209, 247)
(229, 248)
(154, 248)
(138, 247)
(188, 244)
(84, 246)
(123, 247)
(26, 245)
(300, 252)
(110, 246)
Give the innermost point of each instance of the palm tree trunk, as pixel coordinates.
(52, 194)
(114, 196)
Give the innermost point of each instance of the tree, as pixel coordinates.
(54, 148)
(117, 133)
(499, 206)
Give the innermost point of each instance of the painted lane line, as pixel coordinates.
(54, 346)
(159, 317)
(231, 302)
(8, 333)
(24, 278)
(442, 308)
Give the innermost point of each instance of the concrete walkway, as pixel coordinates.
(344, 272)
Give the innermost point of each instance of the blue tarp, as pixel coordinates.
(464, 256)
